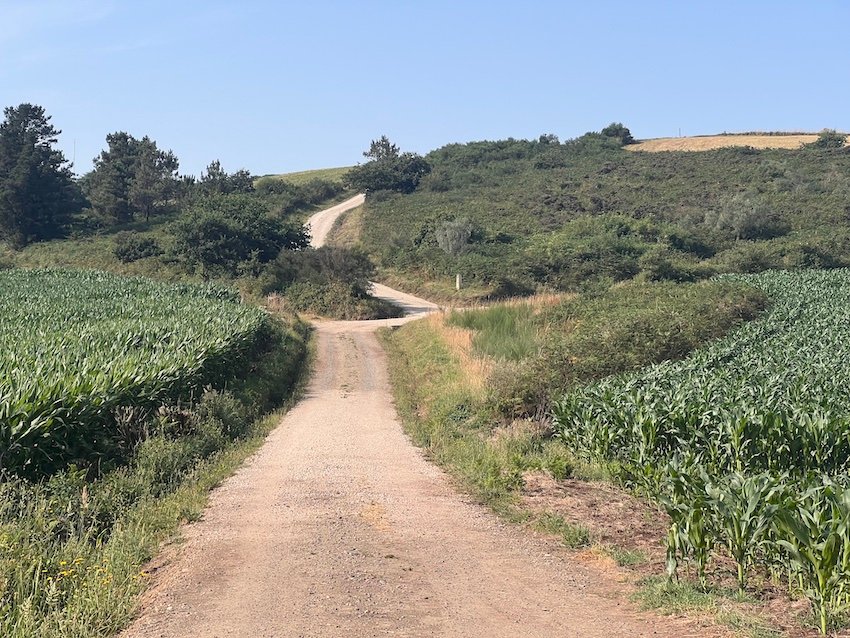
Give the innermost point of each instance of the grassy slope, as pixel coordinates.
(96, 251)
(302, 177)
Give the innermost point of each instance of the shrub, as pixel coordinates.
(619, 132)
(745, 216)
(274, 186)
(401, 174)
(221, 233)
(829, 138)
(453, 235)
(337, 300)
(130, 247)
(317, 190)
(320, 266)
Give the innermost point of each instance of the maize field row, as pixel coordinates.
(746, 443)
(77, 346)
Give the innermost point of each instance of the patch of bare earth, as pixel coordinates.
(614, 517)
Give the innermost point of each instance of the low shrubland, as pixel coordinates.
(545, 215)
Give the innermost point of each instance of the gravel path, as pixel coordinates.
(339, 527)
(322, 222)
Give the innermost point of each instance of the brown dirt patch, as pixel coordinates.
(613, 516)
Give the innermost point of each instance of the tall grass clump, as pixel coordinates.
(503, 332)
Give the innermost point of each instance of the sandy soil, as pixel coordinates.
(340, 527)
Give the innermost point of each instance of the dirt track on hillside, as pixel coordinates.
(339, 527)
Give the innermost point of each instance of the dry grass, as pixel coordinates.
(476, 370)
(711, 142)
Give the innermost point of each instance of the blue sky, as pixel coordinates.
(286, 86)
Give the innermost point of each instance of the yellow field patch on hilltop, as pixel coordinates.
(711, 142)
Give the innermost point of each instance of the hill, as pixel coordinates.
(540, 214)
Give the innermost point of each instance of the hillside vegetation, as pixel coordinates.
(516, 216)
(134, 214)
(464, 380)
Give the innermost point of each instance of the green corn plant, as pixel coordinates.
(691, 533)
(814, 530)
(743, 508)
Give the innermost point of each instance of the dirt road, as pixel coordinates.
(338, 527)
(322, 222)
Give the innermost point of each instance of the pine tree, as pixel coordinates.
(132, 176)
(37, 191)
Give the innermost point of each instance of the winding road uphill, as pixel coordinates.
(338, 527)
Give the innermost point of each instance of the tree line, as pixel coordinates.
(131, 179)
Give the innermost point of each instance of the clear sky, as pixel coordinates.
(294, 85)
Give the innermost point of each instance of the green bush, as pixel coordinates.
(220, 234)
(320, 266)
(130, 247)
(401, 174)
(829, 138)
(619, 132)
(336, 300)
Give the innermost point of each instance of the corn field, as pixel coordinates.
(78, 347)
(746, 443)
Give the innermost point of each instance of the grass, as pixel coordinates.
(502, 332)
(440, 289)
(674, 598)
(626, 557)
(686, 598)
(302, 177)
(347, 229)
(97, 253)
(572, 535)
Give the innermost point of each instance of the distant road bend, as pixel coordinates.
(339, 527)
